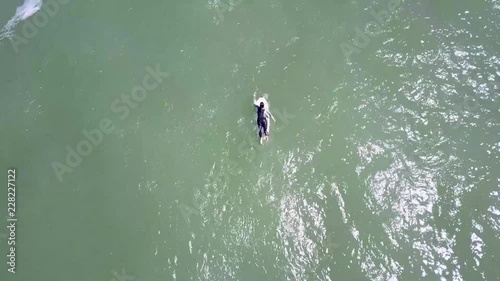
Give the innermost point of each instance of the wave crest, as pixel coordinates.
(23, 12)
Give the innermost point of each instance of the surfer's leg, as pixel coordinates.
(261, 134)
(264, 128)
(261, 131)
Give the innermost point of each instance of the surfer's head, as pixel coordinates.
(262, 105)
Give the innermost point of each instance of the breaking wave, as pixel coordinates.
(26, 10)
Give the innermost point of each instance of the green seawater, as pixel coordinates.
(383, 162)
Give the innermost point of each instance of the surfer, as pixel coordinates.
(263, 117)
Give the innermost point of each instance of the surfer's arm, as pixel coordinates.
(269, 112)
(254, 100)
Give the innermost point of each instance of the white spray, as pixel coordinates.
(23, 12)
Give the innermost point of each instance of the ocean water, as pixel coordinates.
(131, 128)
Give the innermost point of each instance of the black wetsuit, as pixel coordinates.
(261, 122)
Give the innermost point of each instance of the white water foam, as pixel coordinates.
(266, 106)
(23, 12)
